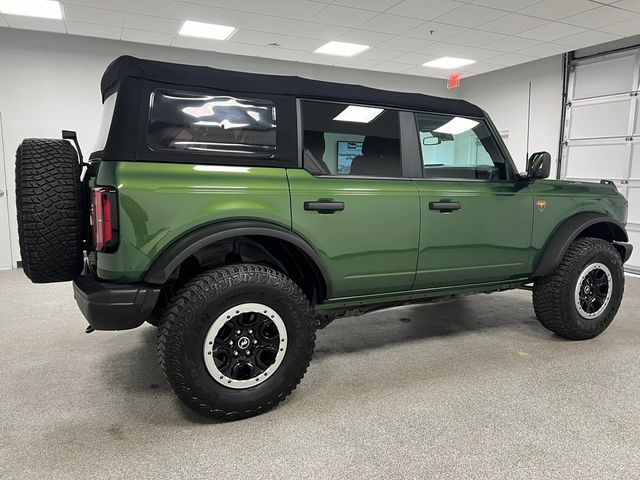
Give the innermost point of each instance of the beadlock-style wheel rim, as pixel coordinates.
(245, 345)
(593, 290)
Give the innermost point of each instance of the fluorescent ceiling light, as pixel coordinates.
(456, 125)
(448, 63)
(32, 8)
(206, 30)
(358, 114)
(342, 49)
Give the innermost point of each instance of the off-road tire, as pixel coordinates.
(51, 223)
(553, 295)
(192, 311)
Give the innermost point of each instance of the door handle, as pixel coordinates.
(321, 206)
(445, 206)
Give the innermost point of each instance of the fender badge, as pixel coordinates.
(541, 204)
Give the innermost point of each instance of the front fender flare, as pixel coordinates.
(567, 232)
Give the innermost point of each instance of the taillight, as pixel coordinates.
(104, 225)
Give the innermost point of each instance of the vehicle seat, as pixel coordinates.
(380, 158)
(313, 151)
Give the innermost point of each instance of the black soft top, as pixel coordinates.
(207, 77)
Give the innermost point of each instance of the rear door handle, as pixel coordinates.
(324, 206)
(445, 206)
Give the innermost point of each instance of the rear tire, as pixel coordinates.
(235, 341)
(582, 296)
(51, 222)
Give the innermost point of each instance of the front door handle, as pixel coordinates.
(323, 206)
(445, 206)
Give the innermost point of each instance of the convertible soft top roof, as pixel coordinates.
(207, 77)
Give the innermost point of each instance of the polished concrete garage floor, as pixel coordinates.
(470, 388)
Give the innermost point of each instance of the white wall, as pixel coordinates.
(50, 82)
(504, 95)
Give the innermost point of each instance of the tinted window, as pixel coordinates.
(342, 139)
(459, 148)
(211, 124)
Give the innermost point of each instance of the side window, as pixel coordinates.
(459, 148)
(350, 140)
(218, 125)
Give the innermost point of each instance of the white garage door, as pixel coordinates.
(602, 130)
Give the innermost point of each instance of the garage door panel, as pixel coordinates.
(634, 262)
(635, 162)
(608, 77)
(597, 161)
(610, 119)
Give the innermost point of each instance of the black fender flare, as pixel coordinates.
(178, 251)
(569, 230)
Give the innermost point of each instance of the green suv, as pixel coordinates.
(240, 212)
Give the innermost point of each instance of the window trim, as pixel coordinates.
(508, 162)
(406, 164)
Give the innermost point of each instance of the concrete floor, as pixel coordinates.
(471, 388)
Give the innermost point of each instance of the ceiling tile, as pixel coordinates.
(375, 5)
(470, 16)
(320, 30)
(551, 31)
(555, 9)
(242, 5)
(262, 23)
(512, 44)
(625, 29)
(420, 71)
(379, 54)
(364, 37)
(598, 17)
(442, 49)
(479, 54)
(587, 39)
(241, 49)
(391, 24)
(255, 38)
(434, 31)
(358, 62)
(512, 23)
(300, 43)
(392, 67)
(279, 53)
(298, 9)
(414, 58)
(343, 16)
(141, 36)
(151, 24)
(32, 23)
(404, 44)
(196, 43)
(154, 8)
(510, 5)
(113, 4)
(425, 10)
(78, 13)
(320, 59)
(93, 30)
(508, 59)
(632, 5)
(206, 14)
(479, 67)
(544, 50)
(472, 38)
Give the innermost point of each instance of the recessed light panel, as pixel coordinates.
(342, 49)
(32, 8)
(358, 114)
(457, 125)
(205, 30)
(448, 63)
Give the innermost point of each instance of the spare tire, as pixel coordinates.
(51, 219)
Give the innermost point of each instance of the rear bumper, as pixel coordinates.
(625, 249)
(110, 306)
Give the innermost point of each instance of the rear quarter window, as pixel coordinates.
(212, 124)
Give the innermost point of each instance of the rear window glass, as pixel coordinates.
(213, 124)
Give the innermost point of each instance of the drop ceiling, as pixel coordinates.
(402, 34)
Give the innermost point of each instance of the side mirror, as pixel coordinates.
(539, 165)
(431, 141)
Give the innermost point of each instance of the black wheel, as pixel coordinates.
(580, 299)
(51, 223)
(235, 341)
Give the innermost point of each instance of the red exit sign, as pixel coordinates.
(453, 81)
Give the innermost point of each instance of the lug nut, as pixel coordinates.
(248, 352)
(235, 353)
(255, 342)
(250, 332)
(231, 343)
(238, 332)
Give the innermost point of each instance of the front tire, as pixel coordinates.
(582, 296)
(235, 341)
